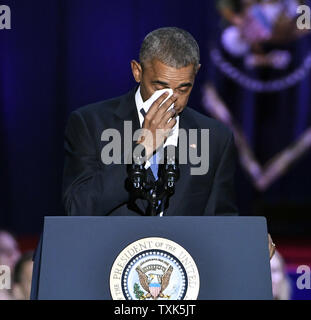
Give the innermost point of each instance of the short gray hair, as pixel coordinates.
(172, 46)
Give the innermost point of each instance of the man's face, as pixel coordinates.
(155, 75)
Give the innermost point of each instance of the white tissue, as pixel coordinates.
(155, 96)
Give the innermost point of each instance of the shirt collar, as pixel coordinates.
(173, 137)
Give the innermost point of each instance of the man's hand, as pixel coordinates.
(156, 126)
(271, 246)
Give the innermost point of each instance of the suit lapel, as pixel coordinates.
(186, 122)
(127, 111)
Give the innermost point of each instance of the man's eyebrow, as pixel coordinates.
(165, 84)
(162, 83)
(185, 84)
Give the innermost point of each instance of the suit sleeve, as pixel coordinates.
(222, 197)
(89, 186)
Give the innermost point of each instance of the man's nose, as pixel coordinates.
(175, 93)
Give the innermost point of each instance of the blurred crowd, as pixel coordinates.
(20, 266)
(258, 29)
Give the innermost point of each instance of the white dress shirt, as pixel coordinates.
(172, 139)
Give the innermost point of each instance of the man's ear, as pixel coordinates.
(136, 70)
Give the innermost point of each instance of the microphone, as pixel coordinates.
(137, 175)
(154, 191)
(169, 170)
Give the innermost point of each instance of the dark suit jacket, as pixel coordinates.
(92, 188)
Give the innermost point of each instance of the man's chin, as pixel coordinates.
(179, 110)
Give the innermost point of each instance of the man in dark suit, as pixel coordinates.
(169, 58)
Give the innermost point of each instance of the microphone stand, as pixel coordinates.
(154, 191)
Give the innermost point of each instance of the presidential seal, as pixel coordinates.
(154, 269)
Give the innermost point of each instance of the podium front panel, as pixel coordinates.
(231, 253)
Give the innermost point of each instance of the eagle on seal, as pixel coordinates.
(155, 284)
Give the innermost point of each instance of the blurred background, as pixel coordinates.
(62, 54)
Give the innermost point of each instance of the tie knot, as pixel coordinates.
(143, 112)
